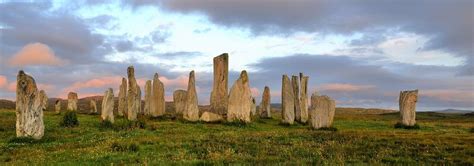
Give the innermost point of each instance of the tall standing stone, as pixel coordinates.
(158, 97)
(122, 98)
(240, 100)
(303, 98)
(148, 99)
(179, 100)
(133, 95)
(253, 107)
(407, 103)
(296, 97)
(108, 106)
(29, 112)
(44, 100)
(322, 111)
(265, 107)
(191, 112)
(93, 106)
(219, 86)
(72, 101)
(57, 106)
(287, 101)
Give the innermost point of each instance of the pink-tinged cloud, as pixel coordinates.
(449, 95)
(11, 87)
(255, 92)
(104, 82)
(340, 87)
(3, 81)
(179, 82)
(35, 54)
(46, 87)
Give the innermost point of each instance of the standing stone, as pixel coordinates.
(93, 106)
(72, 101)
(296, 97)
(158, 99)
(148, 101)
(44, 100)
(133, 95)
(191, 112)
(57, 106)
(287, 101)
(108, 106)
(29, 112)
(122, 98)
(322, 111)
(210, 117)
(407, 104)
(303, 98)
(265, 107)
(253, 108)
(179, 100)
(219, 87)
(240, 100)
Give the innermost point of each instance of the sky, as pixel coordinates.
(361, 53)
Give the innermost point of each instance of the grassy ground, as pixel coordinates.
(359, 139)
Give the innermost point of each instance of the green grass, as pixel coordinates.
(369, 139)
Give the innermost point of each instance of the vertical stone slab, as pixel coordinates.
(303, 98)
(265, 107)
(29, 108)
(407, 104)
(44, 100)
(296, 97)
(72, 101)
(287, 101)
(253, 107)
(158, 106)
(108, 106)
(93, 106)
(122, 98)
(133, 95)
(191, 112)
(322, 111)
(179, 100)
(148, 99)
(57, 106)
(240, 100)
(219, 86)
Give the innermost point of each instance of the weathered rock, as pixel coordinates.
(296, 97)
(265, 108)
(191, 112)
(287, 101)
(57, 106)
(219, 87)
(93, 106)
(179, 99)
(158, 99)
(29, 112)
(407, 103)
(303, 98)
(240, 100)
(210, 117)
(148, 99)
(122, 98)
(44, 100)
(133, 95)
(322, 111)
(253, 107)
(108, 106)
(72, 101)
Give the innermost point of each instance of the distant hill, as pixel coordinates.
(7, 104)
(454, 111)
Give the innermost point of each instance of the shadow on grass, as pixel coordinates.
(324, 129)
(402, 126)
(123, 147)
(123, 125)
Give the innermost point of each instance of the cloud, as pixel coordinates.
(35, 54)
(449, 95)
(341, 87)
(3, 81)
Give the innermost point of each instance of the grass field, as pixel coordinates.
(360, 138)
